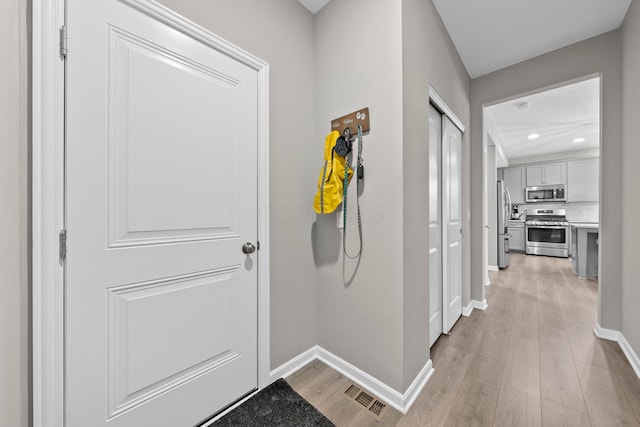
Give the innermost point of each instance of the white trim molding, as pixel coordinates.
(606, 334)
(264, 237)
(400, 401)
(439, 102)
(294, 364)
(466, 311)
(420, 381)
(493, 268)
(47, 297)
(612, 335)
(480, 305)
(48, 16)
(474, 304)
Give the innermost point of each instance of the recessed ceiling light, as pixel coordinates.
(534, 136)
(578, 140)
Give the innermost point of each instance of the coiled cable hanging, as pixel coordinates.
(360, 176)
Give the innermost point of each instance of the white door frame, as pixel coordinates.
(48, 198)
(437, 100)
(435, 144)
(485, 187)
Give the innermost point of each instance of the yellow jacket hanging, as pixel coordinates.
(331, 179)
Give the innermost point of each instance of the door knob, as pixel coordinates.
(248, 248)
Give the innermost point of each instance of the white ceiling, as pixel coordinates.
(493, 34)
(314, 5)
(559, 116)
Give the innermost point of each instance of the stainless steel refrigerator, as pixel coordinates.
(504, 213)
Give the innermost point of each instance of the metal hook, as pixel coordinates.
(347, 134)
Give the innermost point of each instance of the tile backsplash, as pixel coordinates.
(576, 212)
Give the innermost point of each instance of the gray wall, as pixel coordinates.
(428, 57)
(282, 33)
(14, 314)
(602, 54)
(377, 321)
(631, 177)
(360, 305)
(377, 318)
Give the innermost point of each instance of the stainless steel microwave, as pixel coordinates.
(545, 193)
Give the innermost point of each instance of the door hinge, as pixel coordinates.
(63, 42)
(258, 244)
(63, 245)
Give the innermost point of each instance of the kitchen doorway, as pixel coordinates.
(544, 147)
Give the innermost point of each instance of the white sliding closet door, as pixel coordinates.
(445, 224)
(452, 221)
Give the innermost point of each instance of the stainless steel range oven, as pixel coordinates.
(547, 232)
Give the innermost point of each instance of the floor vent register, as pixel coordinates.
(362, 399)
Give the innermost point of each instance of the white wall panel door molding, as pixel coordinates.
(452, 222)
(166, 167)
(435, 225)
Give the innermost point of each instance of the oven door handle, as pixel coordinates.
(552, 227)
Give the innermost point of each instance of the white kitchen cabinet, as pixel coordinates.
(547, 174)
(583, 180)
(535, 175)
(516, 238)
(514, 179)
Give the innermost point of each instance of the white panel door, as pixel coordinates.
(435, 225)
(161, 302)
(452, 222)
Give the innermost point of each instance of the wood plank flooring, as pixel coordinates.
(530, 359)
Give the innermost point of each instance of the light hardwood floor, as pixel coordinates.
(530, 359)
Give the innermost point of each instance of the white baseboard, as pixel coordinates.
(480, 305)
(294, 364)
(401, 402)
(493, 268)
(388, 394)
(416, 386)
(606, 334)
(466, 311)
(634, 361)
(612, 335)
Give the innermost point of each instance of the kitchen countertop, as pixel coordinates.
(584, 224)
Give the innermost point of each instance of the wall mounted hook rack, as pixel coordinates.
(351, 121)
